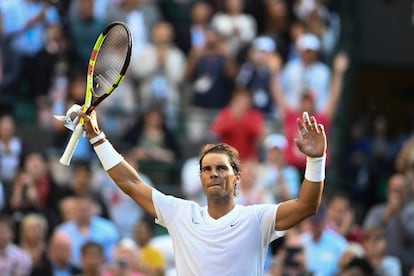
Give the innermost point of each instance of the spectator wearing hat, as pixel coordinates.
(307, 101)
(306, 73)
(280, 181)
(257, 72)
(323, 248)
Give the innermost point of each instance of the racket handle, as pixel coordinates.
(71, 146)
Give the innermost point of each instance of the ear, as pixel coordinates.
(237, 179)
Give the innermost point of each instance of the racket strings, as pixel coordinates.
(110, 60)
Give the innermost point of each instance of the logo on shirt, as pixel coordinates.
(194, 221)
(234, 224)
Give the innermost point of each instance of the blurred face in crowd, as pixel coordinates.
(60, 249)
(92, 258)
(83, 210)
(308, 56)
(162, 34)
(397, 187)
(35, 165)
(338, 206)
(6, 127)
(6, 234)
(200, 13)
(33, 229)
(275, 9)
(234, 6)
(374, 242)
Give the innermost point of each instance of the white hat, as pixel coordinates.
(264, 43)
(308, 42)
(275, 140)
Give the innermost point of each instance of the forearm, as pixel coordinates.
(125, 176)
(294, 211)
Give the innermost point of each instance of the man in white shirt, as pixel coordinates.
(221, 238)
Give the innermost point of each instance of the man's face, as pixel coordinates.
(5, 235)
(217, 176)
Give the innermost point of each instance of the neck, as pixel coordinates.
(218, 208)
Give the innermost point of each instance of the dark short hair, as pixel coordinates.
(231, 152)
(91, 244)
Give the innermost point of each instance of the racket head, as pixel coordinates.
(109, 62)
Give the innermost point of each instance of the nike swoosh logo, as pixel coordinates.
(194, 221)
(234, 224)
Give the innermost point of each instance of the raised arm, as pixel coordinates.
(340, 65)
(313, 144)
(121, 172)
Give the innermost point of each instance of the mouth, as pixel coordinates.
(214, 184)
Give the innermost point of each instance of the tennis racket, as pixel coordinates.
(107, 67)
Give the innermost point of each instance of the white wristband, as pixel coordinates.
(108, 156)
(315, 168)
(97, 138)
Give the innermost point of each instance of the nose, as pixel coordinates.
(214, 174)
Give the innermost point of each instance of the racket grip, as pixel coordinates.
(71, 146)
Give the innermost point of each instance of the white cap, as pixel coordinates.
(308, 42)
(264, 43)
(275, 141)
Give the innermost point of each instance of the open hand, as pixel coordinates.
(313, 138)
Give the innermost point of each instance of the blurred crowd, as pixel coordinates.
(233, 71)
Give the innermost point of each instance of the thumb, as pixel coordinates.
(298, 143)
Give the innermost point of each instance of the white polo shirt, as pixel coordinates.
(235, 244)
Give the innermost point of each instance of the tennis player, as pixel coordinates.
(221, 238)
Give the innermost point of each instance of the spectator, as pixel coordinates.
(375, 243)
(277, 24)
(86, 226)
(92, 259)
(257, 74)
(26, 23)
(159, 68)
(393, 215)
(210, 72)
(240, 125)
(57, 259)
(25, 197)
(81, 184)
(33, 237)
(320, 21)
(306, 74)
(125, 255)
(151, 260)
(291, 257)
(35, 164)
(84, 28)
(13, 259)
(353, 250)
(153, 142)
(178, 13)
(67, 208)
(249, 191)
(237, 28)
(192, 35)
(318, 242)
(341, 218)
(308, 102)
(10, 151)
(281, 181)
